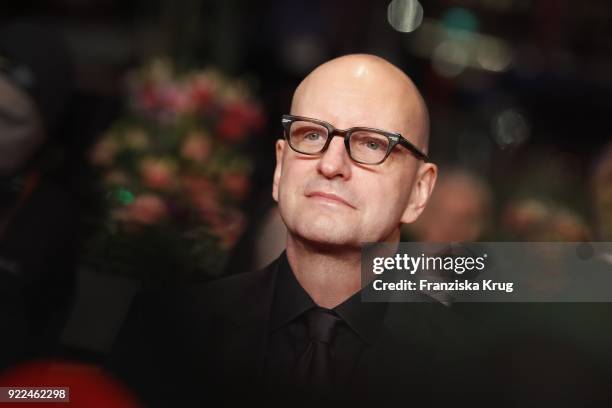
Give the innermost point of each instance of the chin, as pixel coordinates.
(329, 234)
(321, 227)
(325, 238)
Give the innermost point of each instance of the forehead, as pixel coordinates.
(348, 100)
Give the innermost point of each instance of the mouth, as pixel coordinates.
(329, 198)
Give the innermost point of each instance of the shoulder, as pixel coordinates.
(428, 318)
(240, 287)
(436, 329)
(203, 298)
(230, 291)
(164, 339)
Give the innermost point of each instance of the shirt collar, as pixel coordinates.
(291, 300)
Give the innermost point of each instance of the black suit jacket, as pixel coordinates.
(187, 346)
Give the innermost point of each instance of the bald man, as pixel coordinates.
(334, 193)
(351, 168)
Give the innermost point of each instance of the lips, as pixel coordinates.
(329, 196)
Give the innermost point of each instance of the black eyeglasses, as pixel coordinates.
(364, 145)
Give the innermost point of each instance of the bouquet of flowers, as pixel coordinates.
(175, 174)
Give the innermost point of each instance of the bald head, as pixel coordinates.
(329, 197)
(364, 90)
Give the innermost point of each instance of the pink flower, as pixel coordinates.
(196, 147)
(157, 174)
(237, 185)
(147, 209)
(174, 99)
(162, 101)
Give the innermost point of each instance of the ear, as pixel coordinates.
(421, 191)
(280, 149)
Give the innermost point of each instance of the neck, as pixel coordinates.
(328, 276)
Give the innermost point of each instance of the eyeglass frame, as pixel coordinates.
(394, 138)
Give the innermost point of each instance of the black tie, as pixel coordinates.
(314, 367)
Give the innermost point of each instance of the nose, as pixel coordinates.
(335, 161)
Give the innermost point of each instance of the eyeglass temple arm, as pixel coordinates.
(419, 154)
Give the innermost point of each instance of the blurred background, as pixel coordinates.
(137, 138)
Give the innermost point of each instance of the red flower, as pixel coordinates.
(231, 129)
(201, 95)
(146, 209)
(157, 174)
(238, 120)
(174, 99)
(147, 98)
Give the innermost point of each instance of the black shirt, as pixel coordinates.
(359, 325)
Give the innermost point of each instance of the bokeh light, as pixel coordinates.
(510, 128)
(405, 15)
(125, 196)
(450, 58)
(493, 55)
(460, 19)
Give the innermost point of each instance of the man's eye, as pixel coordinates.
(372, 144)
(312, 136)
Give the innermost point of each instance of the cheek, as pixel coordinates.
(291, 185)
(379, 192)
(385, 202)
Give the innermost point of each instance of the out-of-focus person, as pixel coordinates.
(458, 211)
(602, 195)
(533, 219)
(37, 215)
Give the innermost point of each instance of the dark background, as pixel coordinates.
(557, 89)
(559, 78)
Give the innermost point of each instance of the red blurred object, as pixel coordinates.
(89, 385)
(238, 120)
(201, 97)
